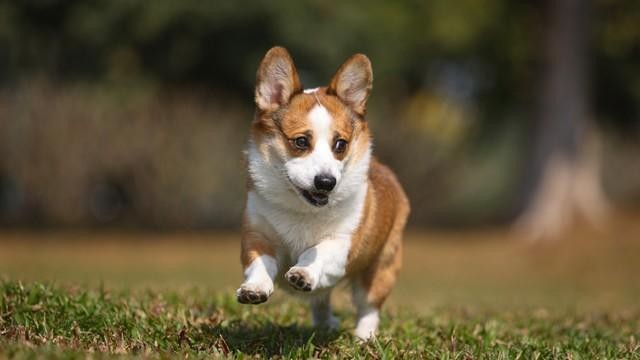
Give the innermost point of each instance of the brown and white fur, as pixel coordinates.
(321, 209)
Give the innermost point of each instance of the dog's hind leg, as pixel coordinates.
(372, 288)
(321, 311)
(367, 313)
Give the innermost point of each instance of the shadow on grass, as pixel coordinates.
(270, 339)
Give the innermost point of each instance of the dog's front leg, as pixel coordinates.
(320, 266)
(260, 269)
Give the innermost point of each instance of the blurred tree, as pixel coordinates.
(565, 168)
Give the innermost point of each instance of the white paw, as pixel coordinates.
(367, 327)
(253, 293)
(365, 333)
(301, 278)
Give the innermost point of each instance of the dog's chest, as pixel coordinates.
(296, 232)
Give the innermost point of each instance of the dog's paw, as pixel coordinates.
(300, 279)
(252, 294)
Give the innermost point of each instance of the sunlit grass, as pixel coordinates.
(465, 295)
(52, 320)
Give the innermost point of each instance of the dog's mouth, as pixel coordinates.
(314, 198)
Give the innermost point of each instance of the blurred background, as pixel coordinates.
(135, 114)
(522, 117)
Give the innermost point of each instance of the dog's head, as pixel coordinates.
(310, 148)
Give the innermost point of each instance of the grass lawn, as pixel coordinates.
(462, 295)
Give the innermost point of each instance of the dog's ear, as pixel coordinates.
(353, 81)
(277, 80)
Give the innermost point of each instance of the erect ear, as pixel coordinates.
(353, 81)
(277, 80)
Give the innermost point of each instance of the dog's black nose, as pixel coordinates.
(324, 182)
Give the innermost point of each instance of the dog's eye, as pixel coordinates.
(301, 142)
(340, 146)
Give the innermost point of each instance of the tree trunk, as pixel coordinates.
(565, 169)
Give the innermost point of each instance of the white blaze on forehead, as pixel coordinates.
(310, 91)
(321, 122)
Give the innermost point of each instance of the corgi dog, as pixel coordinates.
(320, 208)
